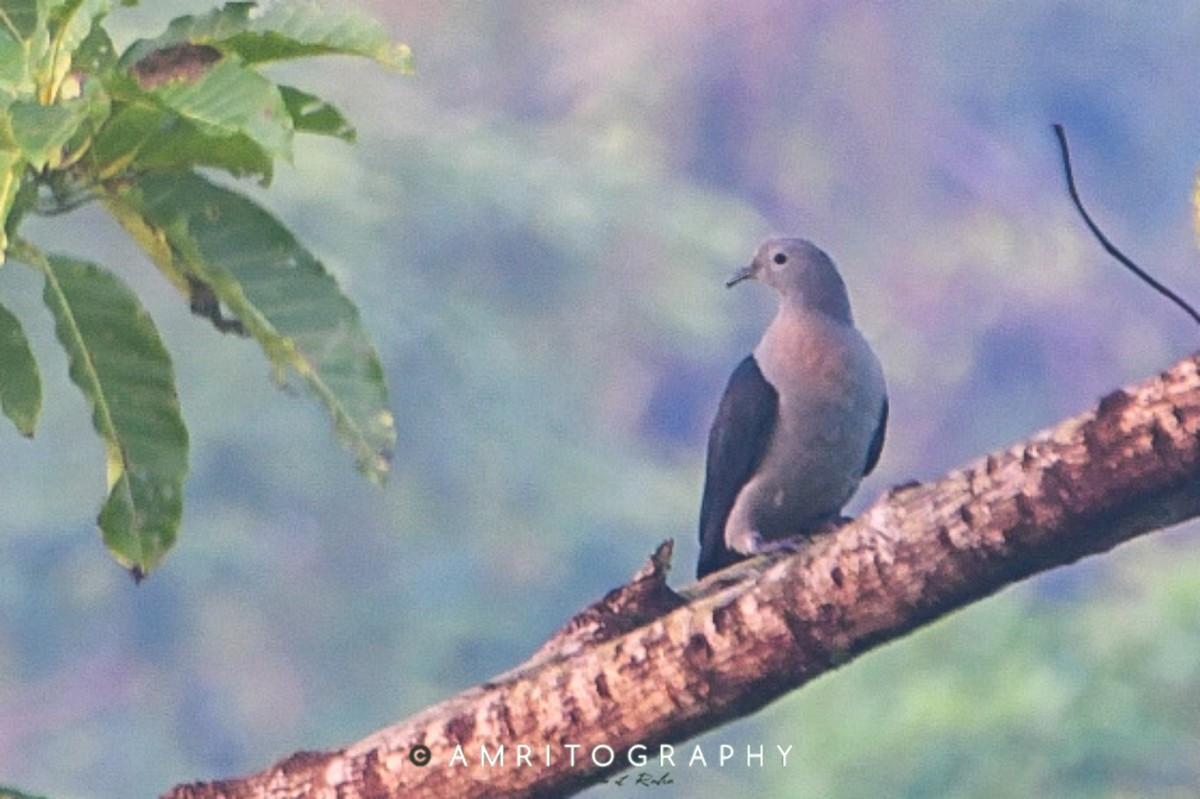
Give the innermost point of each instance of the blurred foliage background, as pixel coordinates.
(536, 227)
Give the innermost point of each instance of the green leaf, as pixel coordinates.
(278, 290)
(13, 793)
(12, 166)
(20, 384)
(19, 18)
(311, 114)
(144, 137)
(96, 55)
(72, 22)
(231, 100)
(282, 31)
(121, 366)
(38, 40)
(24, 41)
(195, 112)
(41, 131)
(193, 98)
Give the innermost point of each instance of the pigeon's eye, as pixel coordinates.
(780, 258)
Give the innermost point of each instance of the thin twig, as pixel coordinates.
(1108, 245)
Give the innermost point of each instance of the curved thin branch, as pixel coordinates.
(1108, 246)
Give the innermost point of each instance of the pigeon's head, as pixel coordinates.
(802, 273)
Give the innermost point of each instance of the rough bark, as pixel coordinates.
(644, 666)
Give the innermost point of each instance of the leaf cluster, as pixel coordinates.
(138, 133)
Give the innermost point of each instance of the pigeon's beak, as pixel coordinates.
(745, 273)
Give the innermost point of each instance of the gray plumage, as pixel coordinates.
(802, 419)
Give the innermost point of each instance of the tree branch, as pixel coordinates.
(752, 633)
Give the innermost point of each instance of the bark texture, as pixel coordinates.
(750, 634)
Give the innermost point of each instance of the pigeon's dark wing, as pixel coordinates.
(877, 441)
(737, 443)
